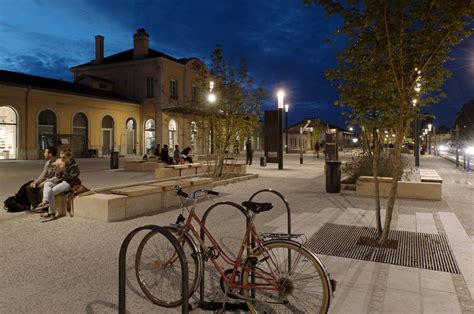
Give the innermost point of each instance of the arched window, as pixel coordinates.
(8, 133)
(150, 130)
(47, 130)
(80, 127)
(172, 133)
(107, 135)
(130, 136)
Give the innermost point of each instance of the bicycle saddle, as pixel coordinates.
(257, 207)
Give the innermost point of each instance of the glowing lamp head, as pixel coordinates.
(414, 101)
(211, 98)
(430, 126)
(287, 106)
(280, 96)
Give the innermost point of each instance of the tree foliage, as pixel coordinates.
(394, 47)
(236, 112)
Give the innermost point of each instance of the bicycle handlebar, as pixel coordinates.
(179, 191)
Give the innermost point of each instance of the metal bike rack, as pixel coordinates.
(202, 302)
(122, 266)
(288, 210)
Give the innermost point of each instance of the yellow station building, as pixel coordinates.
(127, 102)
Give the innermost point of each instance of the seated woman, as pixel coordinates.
(177, 156)
(186, 155)
(67, 176)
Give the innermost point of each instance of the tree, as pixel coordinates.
(236, 111)
(395, 54)
(465, 121)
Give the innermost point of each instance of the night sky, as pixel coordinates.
(283, 41)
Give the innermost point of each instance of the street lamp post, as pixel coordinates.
(287, 106)
(281, 96)
(302, 129)
(457, 145)
(212, 99)
(416, 131)
(430, 126)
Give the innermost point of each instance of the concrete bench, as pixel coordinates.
(430, 175)
(172, 171)
(138, 200)
(365, 186)
(139, 165)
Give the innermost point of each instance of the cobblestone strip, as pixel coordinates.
(377, 296)
(464, 296)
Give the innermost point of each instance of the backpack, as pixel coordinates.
(19, 202)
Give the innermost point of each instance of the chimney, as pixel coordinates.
(140, 44)
(99, 49)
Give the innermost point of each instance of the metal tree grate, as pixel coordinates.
(420, 250)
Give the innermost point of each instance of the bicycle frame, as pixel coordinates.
(237, 263)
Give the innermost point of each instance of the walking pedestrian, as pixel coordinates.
(316, 149)
(248, 148)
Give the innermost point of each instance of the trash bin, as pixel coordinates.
(333, 176)
(263, 161)
(114, 160)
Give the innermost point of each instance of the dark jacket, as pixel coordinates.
(70, 174)
(164, 155)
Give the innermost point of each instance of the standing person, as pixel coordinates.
(165, 156)
(67, 176)
(177, 155)
(34, 189)
(248, 148)
(316, 149)
(157, 151)
(186, 155)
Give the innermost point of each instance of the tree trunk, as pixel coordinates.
(394, 186)
(375, 170)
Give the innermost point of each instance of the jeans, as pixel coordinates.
(52, 189)
(34, 195)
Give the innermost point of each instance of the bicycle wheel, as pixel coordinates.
(158, 268)
(303, 289)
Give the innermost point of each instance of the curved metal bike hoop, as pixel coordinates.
(122, 266)
(282, 198)
(203, 220)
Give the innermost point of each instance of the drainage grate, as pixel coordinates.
(420, 250)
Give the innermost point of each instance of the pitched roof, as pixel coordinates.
(16, 78)
(127, 55)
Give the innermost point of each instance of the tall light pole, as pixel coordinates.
(287, 106)
(280, 96)
(212, 99)
(457, 145)
(302, 129)
(429, 138)
(416, 123)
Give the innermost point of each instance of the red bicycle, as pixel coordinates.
(279, 275)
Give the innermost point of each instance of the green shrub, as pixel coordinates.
(361, 165)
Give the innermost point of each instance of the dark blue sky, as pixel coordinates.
(283, 42)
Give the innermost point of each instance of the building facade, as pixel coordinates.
(127, 102)
(167, 89)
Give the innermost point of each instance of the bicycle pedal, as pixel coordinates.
(253, 260)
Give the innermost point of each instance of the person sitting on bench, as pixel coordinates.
(186, 155)
(35, 188)
(67, 175)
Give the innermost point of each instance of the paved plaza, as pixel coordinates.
(70, 265)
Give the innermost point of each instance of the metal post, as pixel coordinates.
(457, 145)
(417, 144)
(286, 134)
(280, 138)
(429, 142)
(301, 146)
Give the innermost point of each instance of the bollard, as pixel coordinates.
(114, 160)
(333, 176)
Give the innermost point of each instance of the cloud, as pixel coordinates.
(48, 65)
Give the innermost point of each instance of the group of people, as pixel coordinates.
(179, 157)
(59, 175)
